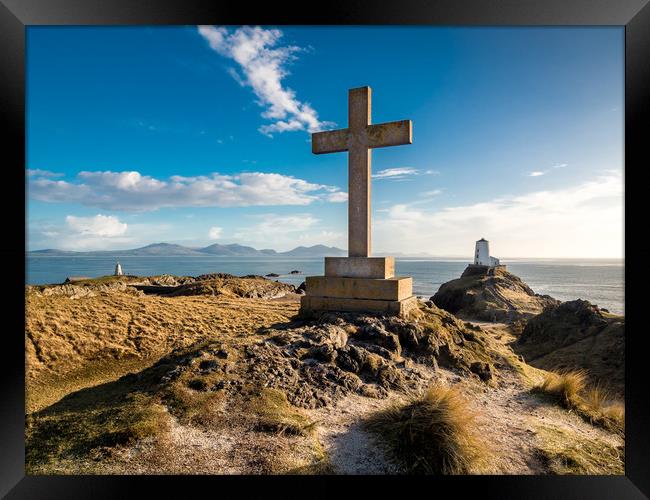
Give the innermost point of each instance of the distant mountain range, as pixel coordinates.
(233, 250)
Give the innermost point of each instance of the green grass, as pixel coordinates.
(78, 431)
(274, 413)
(432, 434)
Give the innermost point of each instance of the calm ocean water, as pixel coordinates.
(599, 281)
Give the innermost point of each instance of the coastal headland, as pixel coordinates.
(220, 374)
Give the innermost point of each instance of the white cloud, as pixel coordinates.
(395, 173)
(536, 173)
(37, 172)
(560, 165)
(98, 232)
(133, 191)
(106, 226)
(263, 64)
(95, 233)
(337, 197)
(399, 173)
(585, 220)
(215, 233)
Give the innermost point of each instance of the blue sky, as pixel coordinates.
(200, 135)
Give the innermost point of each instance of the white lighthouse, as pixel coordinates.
(118, 269)
(482, 254)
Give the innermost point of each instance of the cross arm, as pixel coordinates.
(390, 134)
(331, 141)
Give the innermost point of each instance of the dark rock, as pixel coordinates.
(302, 288)
(197, 384)
(483, 370)
(208, 365)
(172, 375)
(295, 271)
(347, 361)
(325, 352)
(378, 335)
(272, 275)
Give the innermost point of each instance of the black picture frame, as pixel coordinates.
(16, 15)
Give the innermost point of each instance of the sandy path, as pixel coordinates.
(350, 448)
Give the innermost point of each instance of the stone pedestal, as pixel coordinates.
(359, 284)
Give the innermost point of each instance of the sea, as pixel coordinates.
(598, 281)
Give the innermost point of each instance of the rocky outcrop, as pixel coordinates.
(577, 335)
(172, 286)
(490, 294)
(78, 291)
(317, 362)
(251, 288)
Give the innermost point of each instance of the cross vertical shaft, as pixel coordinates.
(359, 173)
(358, 140)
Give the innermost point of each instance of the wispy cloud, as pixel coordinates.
(584, 220)
(284, 232)
(433, 192)
(263, 65)
(539, 173)
(37, 172)
(132, 191)
(398, 173)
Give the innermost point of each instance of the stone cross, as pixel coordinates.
(358, 140)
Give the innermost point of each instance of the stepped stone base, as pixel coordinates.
(310, 305)
(360, 267)
(359, 284)
(360, 288)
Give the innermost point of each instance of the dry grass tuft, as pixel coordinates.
(594, 403)
(432, 434)
(565, 386)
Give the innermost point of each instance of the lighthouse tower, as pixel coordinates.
(118, 270)
(482, 254)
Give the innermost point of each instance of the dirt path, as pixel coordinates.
(510, 415)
